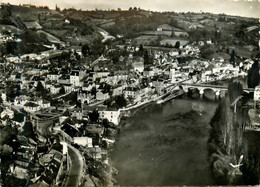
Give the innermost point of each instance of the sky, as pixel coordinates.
(214, 6)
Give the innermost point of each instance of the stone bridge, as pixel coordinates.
(215, 88)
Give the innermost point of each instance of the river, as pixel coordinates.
(166, 144)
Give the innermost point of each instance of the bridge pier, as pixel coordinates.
(217, 94)
(201, 93)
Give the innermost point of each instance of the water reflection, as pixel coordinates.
(165, 145)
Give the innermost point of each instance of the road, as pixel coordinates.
(76, 170)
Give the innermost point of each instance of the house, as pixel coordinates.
(174, 53)
(118, 90)
(68, 88)
(77, 113)
(21, 100)
(196, 26)
(257, 93)
(111, 114)
(172, 76)
(44, 103)
(87, 86)
(164, 27)
(75, 78)
(159, 85)
(83, 141)
(53, 77)
(84, 97)
(131, 92)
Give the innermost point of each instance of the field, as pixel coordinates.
(11, 28)
(172, 41)
(145, 39)
(166, 33)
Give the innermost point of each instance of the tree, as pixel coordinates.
(146, 57)
(206, 52)
(57, 8)
(94, 116)
(62, 90)
(173, 34)
(93, 90)
(39, 87)
(85, 50)
(105, 123)
(177, 44)
(28, 130)
(253, 75)
(6, 149)
(141, 48)
(233, 57)
(120, 101)
(235, 90)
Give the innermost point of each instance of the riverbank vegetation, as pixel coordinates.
(228, 141)
(226, 137)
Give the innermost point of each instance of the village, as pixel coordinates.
(61, 109)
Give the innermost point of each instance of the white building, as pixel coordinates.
(172, 75)
(112, 115)
(21, 100)
(257, 93)
(53, 77)
(75, 78)
(31, 107)
(83, 141)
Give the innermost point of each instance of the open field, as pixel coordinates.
(172, 41)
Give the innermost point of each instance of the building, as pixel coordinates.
(118, 90)
(31, 107)
(257, 93)
(83, 141)
(111, 114)
(75, 78)
(44, 103)
(131, 92)
(53, 77)
(21, 100)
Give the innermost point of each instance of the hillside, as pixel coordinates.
(39, 26)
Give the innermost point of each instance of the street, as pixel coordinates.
(76, 170)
